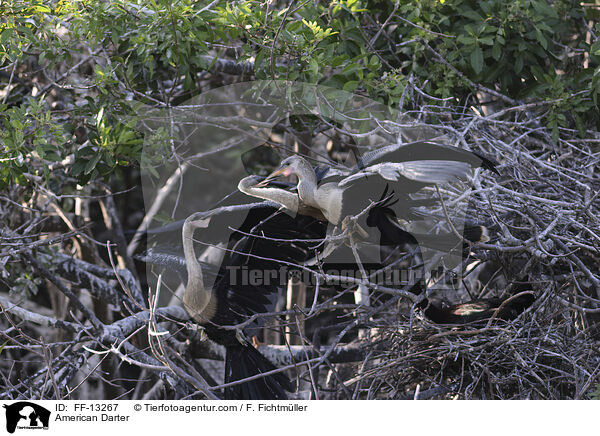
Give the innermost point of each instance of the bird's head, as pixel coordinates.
(287, 167)
(375, 215)
(382, 208)
(198, 220)
(248, 182)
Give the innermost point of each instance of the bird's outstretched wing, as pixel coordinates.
(423, 151)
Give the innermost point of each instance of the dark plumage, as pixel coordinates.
(259, 253)
(478, 310)
(401, 248)
(394, 237)
(262, 244)
(397, 247)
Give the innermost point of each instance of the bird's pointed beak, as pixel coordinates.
(202, 223)
(273, 175)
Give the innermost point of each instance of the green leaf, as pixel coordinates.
(540, 37)
(338, 60)
(543, 8)
(487, 40)
(41, 9)
(472, 15)
(518, 64)
(477, 60)
(78, 167)
(464, 39)
(92, 163)
(351, 69)
(294, 26)
(52, 156)
(496, 51)
(350, 85)
(314, 66)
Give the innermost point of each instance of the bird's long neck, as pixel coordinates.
(307, 184)
(197, 299)
(194, 269)
(285, 198)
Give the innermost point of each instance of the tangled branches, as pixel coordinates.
(78, 326)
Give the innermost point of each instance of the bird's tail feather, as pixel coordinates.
(243, 361)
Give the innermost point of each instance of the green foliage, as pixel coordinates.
(23, 280)
(111, 145)
(507, 39)
(31, 141)
(528, 50)
(146, 45)
(153, 41)
(19, 26)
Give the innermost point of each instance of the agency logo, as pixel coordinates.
(26, 415)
